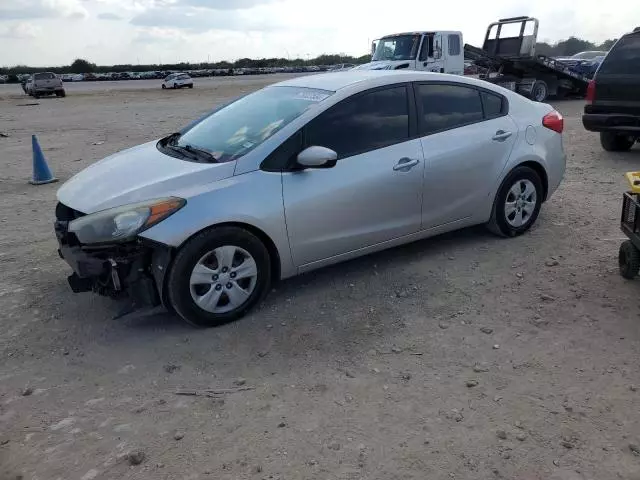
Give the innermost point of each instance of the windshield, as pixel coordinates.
(588, 55)
(399, 47)
(241, 126)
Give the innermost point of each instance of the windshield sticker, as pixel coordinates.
(312, 96)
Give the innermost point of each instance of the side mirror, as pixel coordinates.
(317, 157)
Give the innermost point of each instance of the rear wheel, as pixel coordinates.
(517, 204)
(613, 142)
(539, 91)
(175, 85)
(191, 85)
(629, 260)
(164, 86)
(61, 93)
(218, 276)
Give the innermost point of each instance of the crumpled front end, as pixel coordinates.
(133, 268)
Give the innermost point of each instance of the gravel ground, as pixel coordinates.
(465, 356)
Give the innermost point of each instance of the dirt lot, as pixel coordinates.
(464, 356)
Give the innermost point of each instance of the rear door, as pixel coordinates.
(467, 137)
(618, 78)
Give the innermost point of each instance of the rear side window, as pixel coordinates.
(454, 45)
(494, 105)
(373, 120)
(624, 57)
(445, 106)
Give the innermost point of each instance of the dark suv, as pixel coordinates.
(613, 96)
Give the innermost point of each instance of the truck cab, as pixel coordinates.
(438, 51)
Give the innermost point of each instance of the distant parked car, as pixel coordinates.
(341, 66)
(584, 63)
(45, 83)
(178, 80)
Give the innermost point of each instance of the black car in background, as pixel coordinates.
(613, 96)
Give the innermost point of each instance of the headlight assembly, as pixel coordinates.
(122, 223)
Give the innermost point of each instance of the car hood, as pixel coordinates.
(137, 174)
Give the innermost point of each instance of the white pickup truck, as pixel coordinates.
(45, 83)
(432, 51)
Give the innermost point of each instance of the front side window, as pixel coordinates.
(241, 126)
(446, 106)
(426, 51)
(369, 121)
(399, 47)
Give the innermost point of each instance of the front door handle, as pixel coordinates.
(405, 164)
(501, 136)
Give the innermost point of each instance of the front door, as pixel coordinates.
(467, 139)
(373, 193)
(436, 63)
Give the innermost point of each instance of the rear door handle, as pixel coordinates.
(501, 136)
(405, 164)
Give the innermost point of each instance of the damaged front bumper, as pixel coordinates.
(135, 269)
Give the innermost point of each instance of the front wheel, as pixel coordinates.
(218, 276)
(613, 142)
(517, 203)
(629, 260)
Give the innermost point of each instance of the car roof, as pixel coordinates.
(367, 78)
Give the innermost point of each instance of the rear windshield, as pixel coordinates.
(44, 76)
(183, 77)
(624, 57)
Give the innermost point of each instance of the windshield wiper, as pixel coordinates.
(197, 152)
(192, 152)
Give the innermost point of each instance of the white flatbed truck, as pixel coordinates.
(507, 57)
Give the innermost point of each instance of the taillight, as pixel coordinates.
(591, 91)
(553, 121)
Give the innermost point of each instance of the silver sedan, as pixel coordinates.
(302, 174)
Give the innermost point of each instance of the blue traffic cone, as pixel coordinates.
(41, 172)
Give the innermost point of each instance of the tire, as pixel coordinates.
(175, 85)
(61, 94)
(505, 223)
(164, 87)
(199, 250)
(629, 260)
(612, 142)
(191, 85)
(539, 91)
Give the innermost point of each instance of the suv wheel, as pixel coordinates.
(218, 276)
(613, 142)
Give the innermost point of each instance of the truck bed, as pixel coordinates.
(522, 67)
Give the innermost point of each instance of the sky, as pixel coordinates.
(106, 32)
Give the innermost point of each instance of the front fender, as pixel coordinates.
(254, 198)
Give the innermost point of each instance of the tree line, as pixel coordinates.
(562, 48)
(84, 66)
